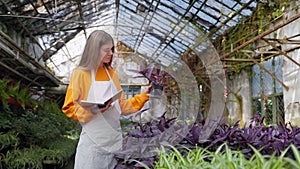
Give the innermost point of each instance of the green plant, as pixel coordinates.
(8, 139)
(16, 94)
(3, 92)
(24, 98)
(223, 158)
(294, 162)
(6, 120)
(32, 133)
(13, 90)
(173, 158)
(24, 158)
(61, 149)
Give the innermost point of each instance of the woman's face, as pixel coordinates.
(106, 52)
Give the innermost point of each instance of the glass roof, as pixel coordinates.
(159, 30)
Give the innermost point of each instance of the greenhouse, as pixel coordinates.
(203, 84)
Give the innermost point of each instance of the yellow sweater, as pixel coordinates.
(78, 89)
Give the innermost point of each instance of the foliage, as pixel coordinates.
(31, 132)
(270, 139)
(47, 123)
(62, 147)
(248, 28)
(257, 141)
(141, 130)
(4, 95)
(223, 158)
(150, 129)
(154, 74)
(34, 156)
(16, 94)
(8, 140)
(24, 158)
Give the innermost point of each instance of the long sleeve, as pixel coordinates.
(77, 90)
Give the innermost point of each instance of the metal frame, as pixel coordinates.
(163, 29)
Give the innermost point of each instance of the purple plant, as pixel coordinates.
(155, 75)
(143, 132)
(267, 139)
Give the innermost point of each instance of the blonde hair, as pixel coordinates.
(90, 58)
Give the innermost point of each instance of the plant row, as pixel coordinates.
(256, 138)
(223, 158)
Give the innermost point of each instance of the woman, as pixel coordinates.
(95, 79)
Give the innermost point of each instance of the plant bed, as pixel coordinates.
(280, 141)
(223, 158)
(55, 156)
(32, 135)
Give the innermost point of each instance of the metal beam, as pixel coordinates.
(282, 52)
(266, 70)
(213, 31)
(81, 17)
(239, 60)
(290, 20)
(20, 74)
(22, 24)
(138, 42)
(182, 28)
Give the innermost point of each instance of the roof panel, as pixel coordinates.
(170, 11)
(166, 28)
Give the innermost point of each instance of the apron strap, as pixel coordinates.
(107, 73)
(93, 74)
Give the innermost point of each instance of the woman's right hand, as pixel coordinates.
(107, 106)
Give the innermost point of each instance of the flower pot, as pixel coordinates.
(50, 164)
(157, 90)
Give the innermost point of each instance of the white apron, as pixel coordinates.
(102, 135)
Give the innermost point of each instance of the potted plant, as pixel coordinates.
(156, 76)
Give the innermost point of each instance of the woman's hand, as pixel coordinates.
(97, 109)
(149, 89)
(107, 106)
